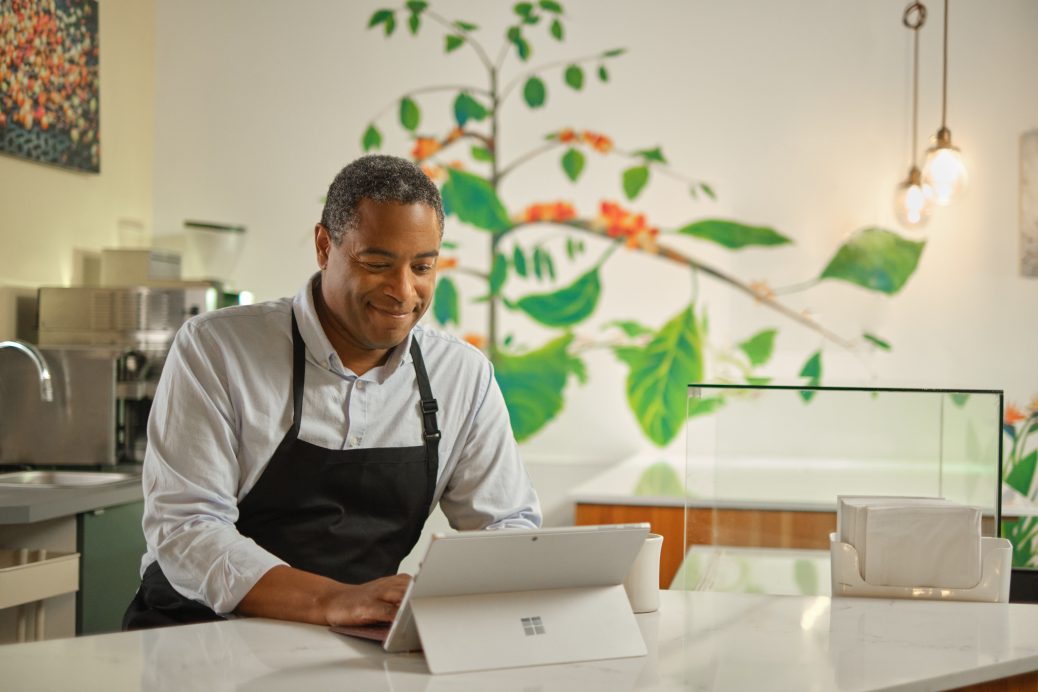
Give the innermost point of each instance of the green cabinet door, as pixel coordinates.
(110, 544)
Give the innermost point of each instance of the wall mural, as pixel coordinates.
(49, 82)
(661, 362)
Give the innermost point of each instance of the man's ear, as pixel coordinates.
(323, 244)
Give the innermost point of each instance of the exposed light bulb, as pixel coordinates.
(944, 170)
(913, 201)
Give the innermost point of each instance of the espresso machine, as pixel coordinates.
(103, 349)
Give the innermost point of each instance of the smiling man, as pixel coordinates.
(296, 448)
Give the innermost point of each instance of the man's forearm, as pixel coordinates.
(285, 593)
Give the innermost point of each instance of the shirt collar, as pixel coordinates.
(320, 348)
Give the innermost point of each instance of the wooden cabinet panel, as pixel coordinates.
(735, 527)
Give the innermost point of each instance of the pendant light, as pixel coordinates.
(943, 169)
(913, 199)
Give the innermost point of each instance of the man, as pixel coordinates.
(296, 448)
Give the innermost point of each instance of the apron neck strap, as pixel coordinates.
(298, 376)
(431, 432)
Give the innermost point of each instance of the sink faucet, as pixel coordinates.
(46, 391)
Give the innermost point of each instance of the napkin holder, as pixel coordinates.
(996, 559)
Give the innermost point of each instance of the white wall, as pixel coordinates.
(46, 211)
(796, 112)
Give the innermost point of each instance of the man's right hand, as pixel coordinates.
(284, 593)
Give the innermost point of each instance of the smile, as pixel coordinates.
(392, 314)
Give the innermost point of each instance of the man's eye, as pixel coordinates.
(372, 265)
(423, 268)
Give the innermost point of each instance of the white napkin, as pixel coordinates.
(850, 528)
(923, 545)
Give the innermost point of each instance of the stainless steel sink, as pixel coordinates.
(62, 479)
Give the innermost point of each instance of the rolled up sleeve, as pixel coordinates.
(490, 487)
(191, 480)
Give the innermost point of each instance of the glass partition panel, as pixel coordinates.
(765, 463)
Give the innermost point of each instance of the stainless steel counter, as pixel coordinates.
(29, 505)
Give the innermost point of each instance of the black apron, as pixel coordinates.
(351, 515)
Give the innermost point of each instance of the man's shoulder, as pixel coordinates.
(242, 323)
(439, 346)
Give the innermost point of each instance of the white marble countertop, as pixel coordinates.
(697, 641)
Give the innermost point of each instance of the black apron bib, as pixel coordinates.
(351, 515)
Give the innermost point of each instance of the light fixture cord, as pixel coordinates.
(915, 25)
(944, 85)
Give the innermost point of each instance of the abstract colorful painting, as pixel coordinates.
(49, 82)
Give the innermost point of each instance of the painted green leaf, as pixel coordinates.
(410, 116)
(704, 406)
(959, 399)
(1022, 473)
(812, 369)
(692, 191)
(465, 26)
(733, 235)
(391, 25)
(628, 354)
(532, 384)
(474, 200)
(550, 6)
(659, 377)
(573, 163)
(372, 139)
(534, 92)
(416, 6)
(571, 248)
(498, 273)
(603, 74)
(454, 42)
(660, 479)
(629, 327)
(414, 22)
(805, 573)
(575, 77)
(467, 108)
(549, 266)
(538, 261)
(519, 261)
(652, 155)
(482, 154)
(380, 17)
(565, 307)
(449, 245)
(876, 259)
(521, 46)
(707, 190)
(758, 348)
(523, 9)
(556, 30)
(445, 302)
(634, 180)
(877, 341)
(613, 53)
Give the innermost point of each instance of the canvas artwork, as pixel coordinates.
(49, 82)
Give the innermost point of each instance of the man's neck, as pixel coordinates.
(355, 358)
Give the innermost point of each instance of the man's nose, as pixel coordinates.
(400, 285)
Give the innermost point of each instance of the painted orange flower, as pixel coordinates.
(762, 289)
(456, 165)
(568, 136)
(1014, 415)
(620, 222)
(436, 173)
(445, 263)
(477, 340)
(551, 211)
(598, 142)
(1034, 404)
(424, 148)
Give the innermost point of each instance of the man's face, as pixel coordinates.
(378, 283)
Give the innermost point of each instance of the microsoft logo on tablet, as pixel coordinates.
(533, 626)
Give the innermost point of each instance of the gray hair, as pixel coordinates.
(381, 179)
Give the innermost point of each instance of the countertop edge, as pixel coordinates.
(65, 502)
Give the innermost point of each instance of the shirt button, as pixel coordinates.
(324, 364)
(360, 384)
(354, 442)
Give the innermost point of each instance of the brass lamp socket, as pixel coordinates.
(943, 139)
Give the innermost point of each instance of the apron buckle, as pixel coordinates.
(429, 406)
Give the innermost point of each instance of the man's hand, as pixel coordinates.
(365, 604)
(285, 593)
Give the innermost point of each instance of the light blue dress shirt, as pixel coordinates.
(224, 403)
